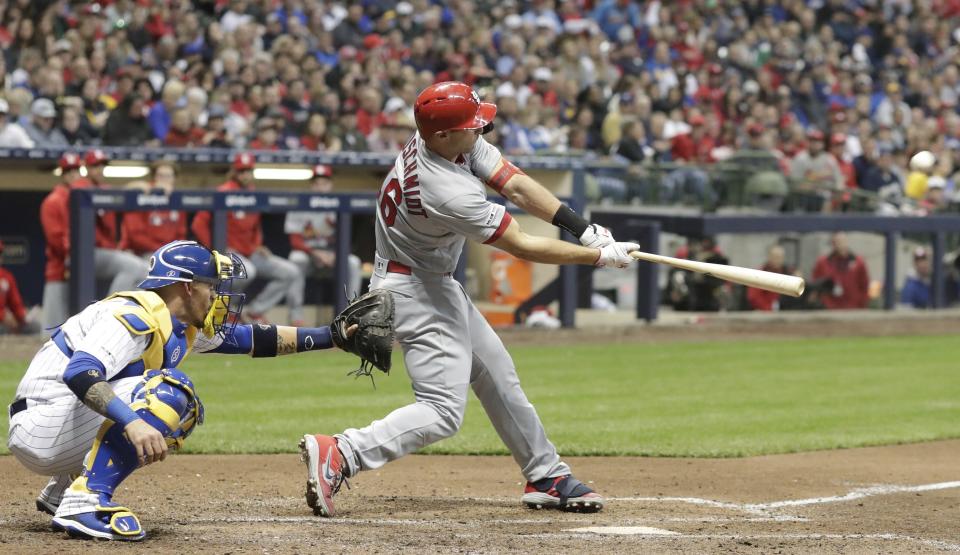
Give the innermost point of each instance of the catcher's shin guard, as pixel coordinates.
(165, 400)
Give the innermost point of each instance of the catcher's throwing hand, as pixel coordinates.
(596, 236)
(148, 441)
(365, 328)
(616, 255)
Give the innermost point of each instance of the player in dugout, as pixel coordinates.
(123, 268)
(245, 238)
(105, 394)
(144, 232)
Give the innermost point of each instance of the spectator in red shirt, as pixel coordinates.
(838, 142)
(10, 300)
(370, 113)
(760, 299)
(841, 277)
(144, 232)
(245, 238)
(694, 148)
(183, 133)
(267, 135)
(318, 136)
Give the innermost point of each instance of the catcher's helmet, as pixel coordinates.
(451, 105)
(184, 261)
(188, 261)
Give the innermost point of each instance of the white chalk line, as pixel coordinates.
(859, 493)
(939, 544)
(483, 522)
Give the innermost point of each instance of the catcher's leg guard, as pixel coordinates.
(165, 400)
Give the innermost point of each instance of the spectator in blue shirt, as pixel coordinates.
(916, 290)
(160, 114)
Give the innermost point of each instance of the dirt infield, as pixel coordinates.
(898, 499)
(901, 499)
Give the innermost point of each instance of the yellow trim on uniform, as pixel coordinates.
(154, 313)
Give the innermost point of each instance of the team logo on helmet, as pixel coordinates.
(476, 97)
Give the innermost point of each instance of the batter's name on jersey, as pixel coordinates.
(393, 195)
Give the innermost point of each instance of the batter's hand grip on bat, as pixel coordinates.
(769, 281)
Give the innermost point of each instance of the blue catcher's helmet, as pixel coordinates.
(187, 261)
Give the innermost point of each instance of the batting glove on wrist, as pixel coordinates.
(596, 236)
(616, 255)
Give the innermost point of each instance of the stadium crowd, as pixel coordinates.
(837, 93)
(830, 96)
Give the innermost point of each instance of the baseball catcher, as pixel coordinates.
(372, 313)
(106, 395)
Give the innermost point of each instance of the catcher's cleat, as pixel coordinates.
(115, 523)
(324, 472)
(45, 506)
(562, 492)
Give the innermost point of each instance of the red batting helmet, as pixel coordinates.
(244, 161)
(322, 170)
(451, 105)
(94, 157)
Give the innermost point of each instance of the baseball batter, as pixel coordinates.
(432, 201)
(104, 395)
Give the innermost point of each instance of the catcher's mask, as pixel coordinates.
(187, 261)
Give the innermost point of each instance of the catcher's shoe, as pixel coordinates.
(324, 472)
(46, 506)
(108, 523)
(562, 492)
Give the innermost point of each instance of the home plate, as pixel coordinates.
(625, 530)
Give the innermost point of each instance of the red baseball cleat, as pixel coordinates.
(324, 472)
(562, 492)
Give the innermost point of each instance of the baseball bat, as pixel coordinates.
(770, 281)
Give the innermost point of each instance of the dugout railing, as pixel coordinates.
(85, 203)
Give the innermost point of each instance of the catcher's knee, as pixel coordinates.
(166, 400)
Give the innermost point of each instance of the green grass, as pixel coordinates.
(711, 399)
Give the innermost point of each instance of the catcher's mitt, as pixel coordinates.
(373, 340)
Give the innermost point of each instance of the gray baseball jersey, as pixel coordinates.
(428, 206)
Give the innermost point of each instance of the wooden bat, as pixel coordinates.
(780, 283)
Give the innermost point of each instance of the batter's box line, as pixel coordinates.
(661, 535)
(760, 508)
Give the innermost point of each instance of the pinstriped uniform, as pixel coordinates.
(55, 432)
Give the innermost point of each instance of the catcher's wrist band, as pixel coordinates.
(312, 339)
(264, 340)
(567, 219)
(120, 412)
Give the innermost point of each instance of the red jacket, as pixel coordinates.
(244, 234)
(850, 278)
(760, 299)
(106, 222)
(10, 297)
(55, 219)
(683, 147)
(145, 232)
(190, 137)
